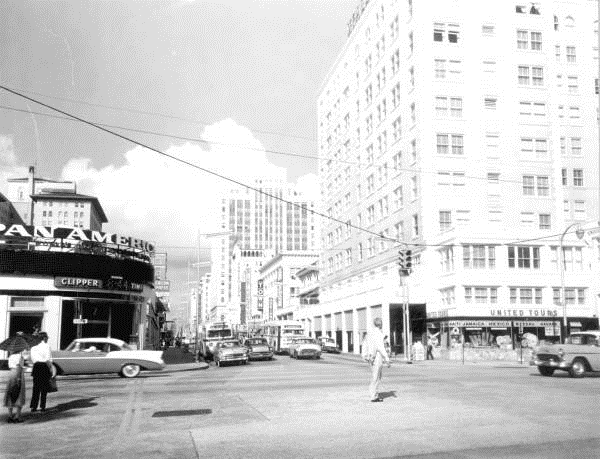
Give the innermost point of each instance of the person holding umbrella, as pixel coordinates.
(14, 396)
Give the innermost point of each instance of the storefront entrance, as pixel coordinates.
(417, 325)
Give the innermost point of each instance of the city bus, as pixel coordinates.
(279, 333)
(210, 335)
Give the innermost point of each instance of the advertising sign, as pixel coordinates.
(57, 237)
(260, 304)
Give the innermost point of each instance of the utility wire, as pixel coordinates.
(261, 150)
(380, 236)
(162, 115)
(208, 171)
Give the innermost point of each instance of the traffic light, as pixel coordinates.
(408, 260)
(404, 262)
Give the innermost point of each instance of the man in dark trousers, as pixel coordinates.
(429, 348)
(41, 356)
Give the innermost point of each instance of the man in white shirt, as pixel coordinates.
(41, 356)
(375, 354)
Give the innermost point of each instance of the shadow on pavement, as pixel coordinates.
(62, 410)
(388, 394)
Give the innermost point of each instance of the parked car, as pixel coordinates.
(258, 349)
(105, 355)
(579, 354)
(328, 344)
(305, 348)
(230, 351)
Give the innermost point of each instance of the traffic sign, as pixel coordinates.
(80, 321)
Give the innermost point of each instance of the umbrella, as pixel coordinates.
(14, 344)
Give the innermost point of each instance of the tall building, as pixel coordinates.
(272, 218)
(44, 202)
(467, 133)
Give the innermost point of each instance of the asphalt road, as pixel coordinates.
(289, 408)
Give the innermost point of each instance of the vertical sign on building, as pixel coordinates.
(270, 308)
(260, 293)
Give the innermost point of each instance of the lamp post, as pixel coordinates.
(579, 232)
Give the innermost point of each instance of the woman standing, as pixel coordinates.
(14, 397)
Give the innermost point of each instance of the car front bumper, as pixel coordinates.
(560, 364)
(260, 355)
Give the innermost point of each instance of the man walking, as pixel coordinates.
(375, 354)
(41, 356)
(429, 348)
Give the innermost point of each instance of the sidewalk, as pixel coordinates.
(399, 359)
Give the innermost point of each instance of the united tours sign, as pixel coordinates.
(47, 234)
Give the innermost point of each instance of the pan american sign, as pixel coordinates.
(45, 235)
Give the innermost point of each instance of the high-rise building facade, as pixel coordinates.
(467, 133)
(270, 218)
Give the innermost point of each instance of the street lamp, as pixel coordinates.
(580, 233)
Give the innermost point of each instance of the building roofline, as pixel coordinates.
(73, 197)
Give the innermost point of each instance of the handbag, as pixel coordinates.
(52, 385)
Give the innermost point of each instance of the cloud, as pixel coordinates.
(8, 162)
(157, 198)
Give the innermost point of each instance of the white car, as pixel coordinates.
(305, 348)
(105, 355)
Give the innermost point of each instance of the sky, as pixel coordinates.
(229, 86)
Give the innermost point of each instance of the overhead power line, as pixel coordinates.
(162, 115)
(260, 150)
(208, 171)
(380, 236)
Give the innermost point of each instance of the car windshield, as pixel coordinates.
(229, 344)
(305, 341)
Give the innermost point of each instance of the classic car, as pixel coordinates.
(578, 355)
(328, 344)
(258, 349)
(229, 351)
(305, 348)
(105, 355)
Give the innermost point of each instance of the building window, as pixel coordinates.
(573, 83)
(477, 256)
(577, 177)
(488, 30)
(442, 144)
(544, 220)
(445, 220)
(524, 257)
(565, 179)
(575, 146)
(490, 103)
(571, 56)
(439, 32)
(579, 210)
(447, 259)
(415, 226)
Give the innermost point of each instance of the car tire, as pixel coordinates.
(131, 370)
(545, 371)
(578, 368)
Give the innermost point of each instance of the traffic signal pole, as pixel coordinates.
(404, 270)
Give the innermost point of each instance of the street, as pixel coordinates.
(289, 408)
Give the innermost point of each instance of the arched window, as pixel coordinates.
(569, 21)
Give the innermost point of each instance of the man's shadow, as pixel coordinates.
(62, 410)
(388, 394)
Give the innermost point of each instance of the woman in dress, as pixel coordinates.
(15, 399)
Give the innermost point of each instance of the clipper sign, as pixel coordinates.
(44, 233)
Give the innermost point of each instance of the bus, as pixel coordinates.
(210, 335)
(279, 333)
